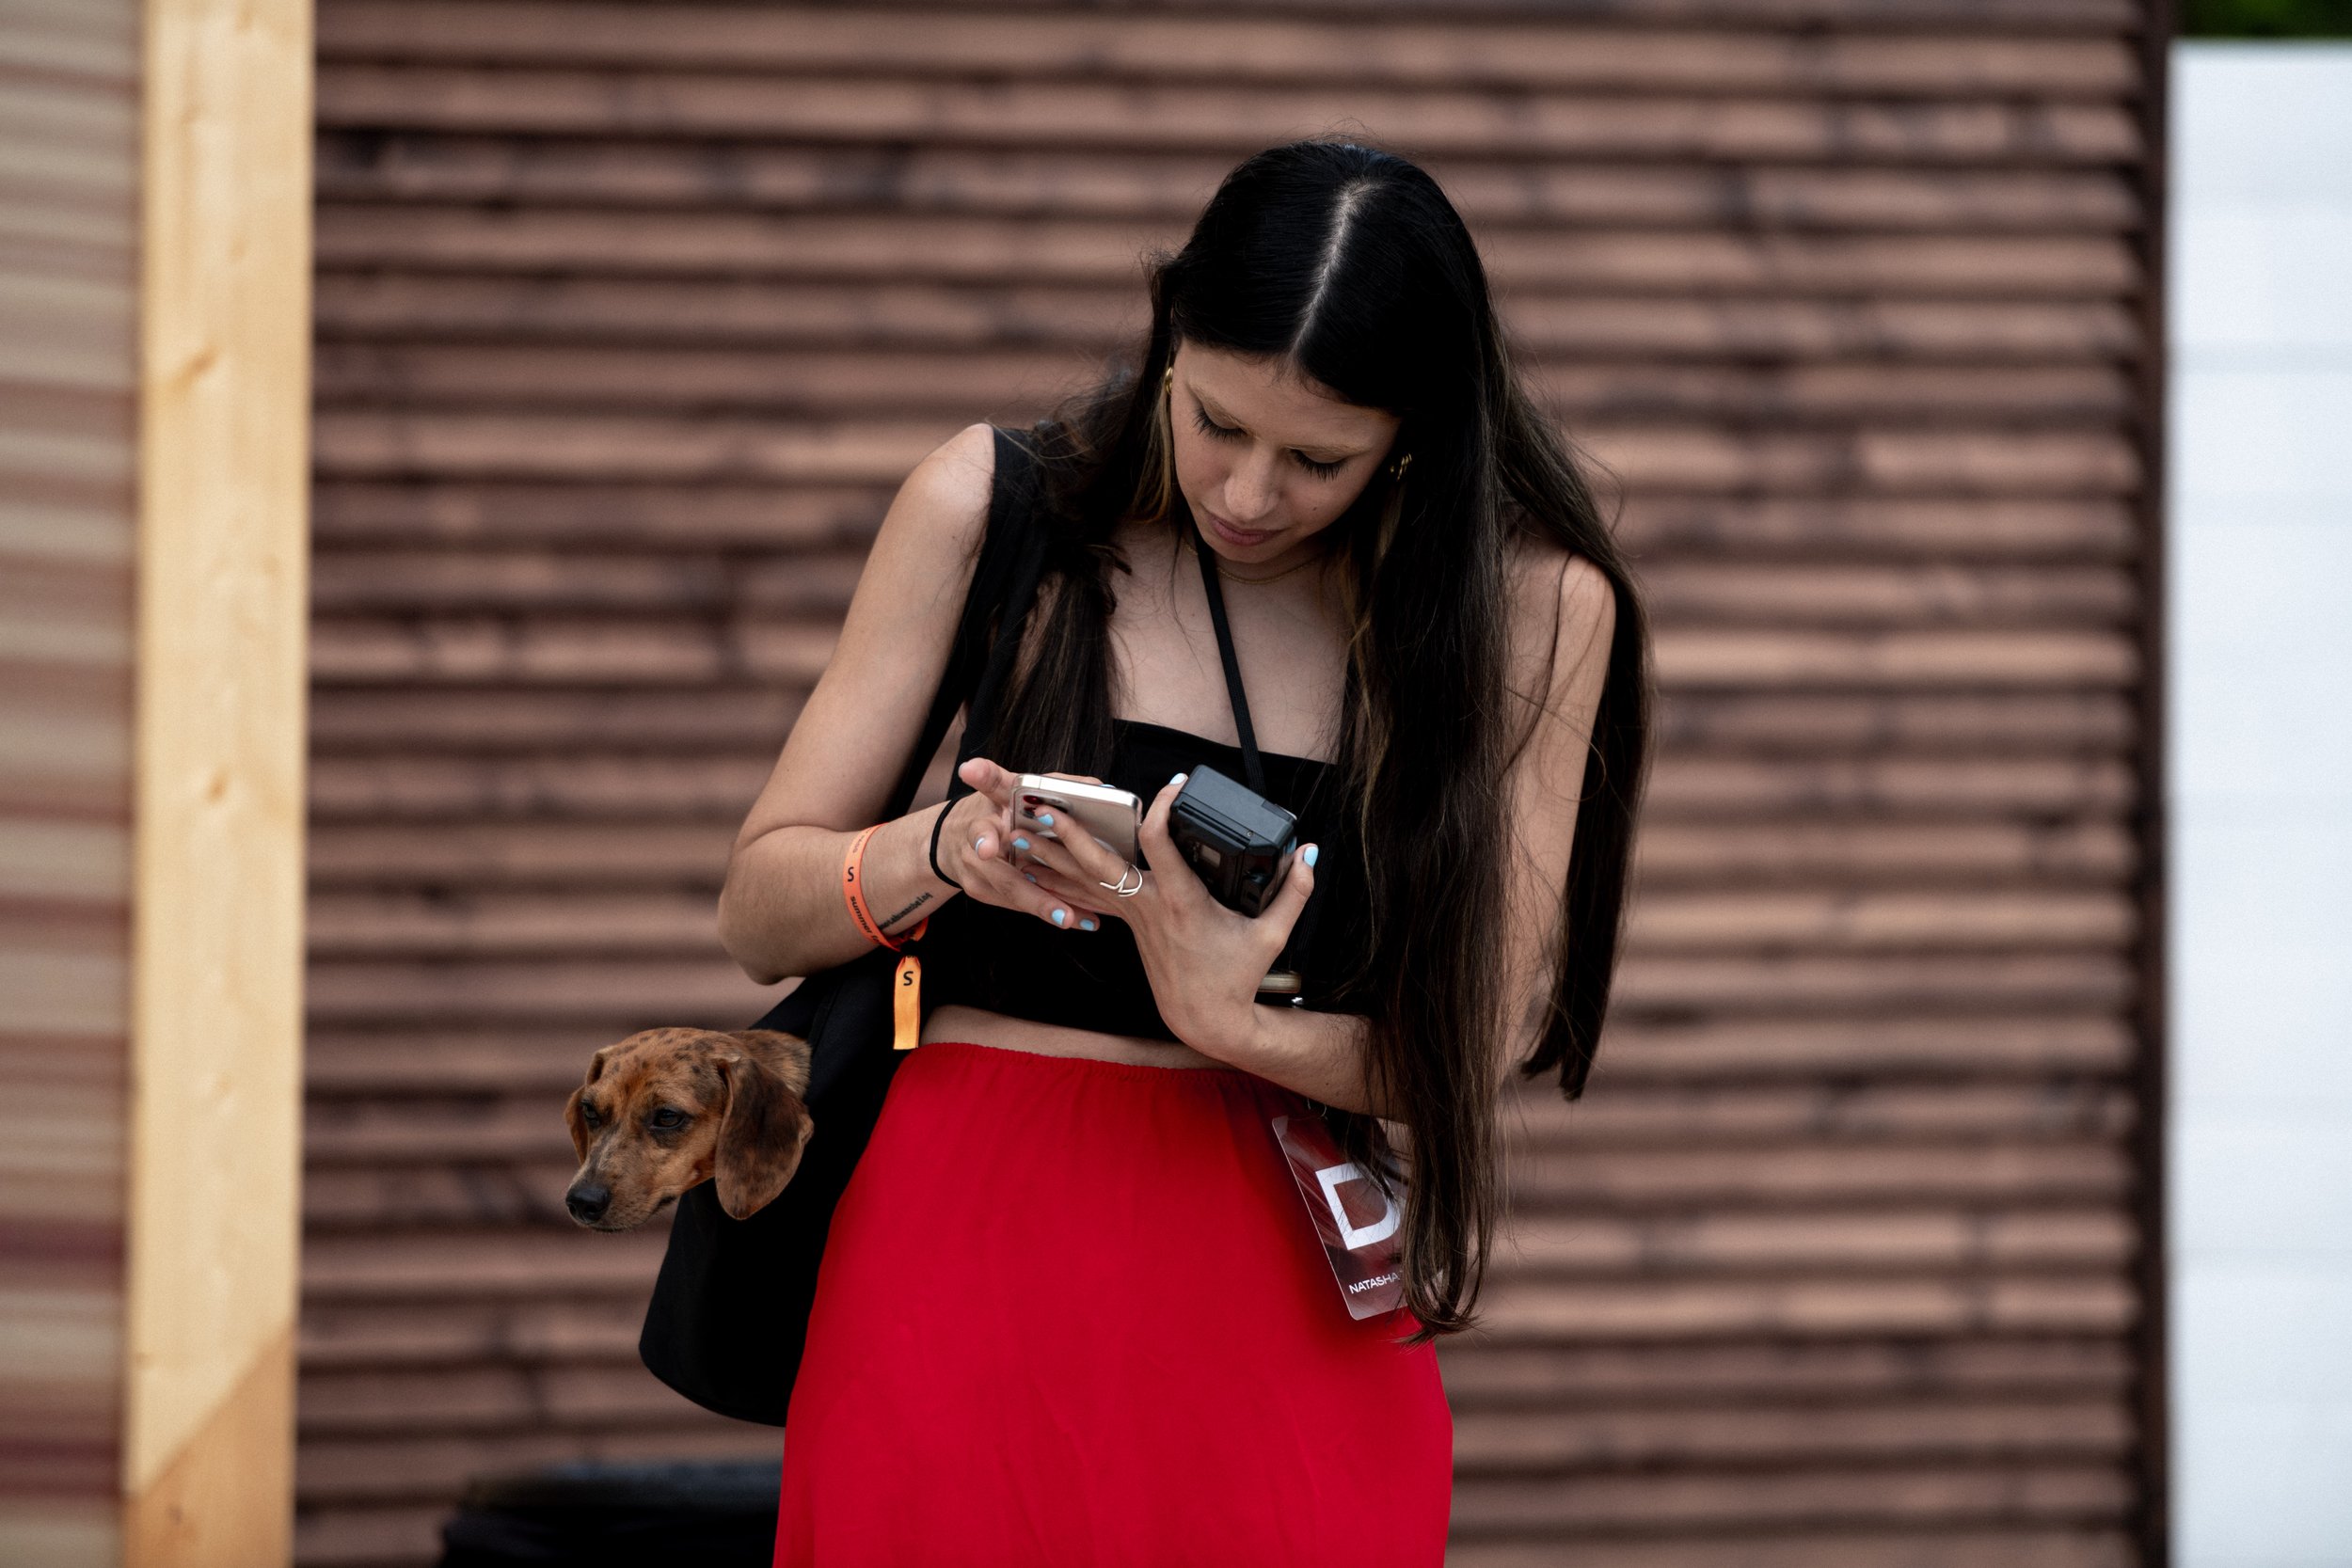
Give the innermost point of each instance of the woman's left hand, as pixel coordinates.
(1204, 960)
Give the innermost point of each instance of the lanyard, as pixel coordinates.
(1301, 940)
(1210, 585)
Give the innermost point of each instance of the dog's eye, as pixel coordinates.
(666, 1120)
(588, 1116)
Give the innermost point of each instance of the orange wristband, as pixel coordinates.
(854, 893)
(906, 982)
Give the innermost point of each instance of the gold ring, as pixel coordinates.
(1121, 887)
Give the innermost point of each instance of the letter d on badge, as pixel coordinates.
(1331, 1178)
(1363, 1257)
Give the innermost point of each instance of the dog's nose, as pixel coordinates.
(587, 1203)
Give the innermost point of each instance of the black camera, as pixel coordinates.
(1235, 838)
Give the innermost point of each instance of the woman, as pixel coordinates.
(1072, 1309)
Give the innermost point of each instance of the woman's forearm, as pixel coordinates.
(781, 912)
(1320, 1056)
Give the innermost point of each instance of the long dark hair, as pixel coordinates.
(1351, 265)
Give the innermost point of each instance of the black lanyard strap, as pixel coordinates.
(1302, 935)
(1250, 761)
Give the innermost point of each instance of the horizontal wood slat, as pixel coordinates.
(2034, 18)
(1923, 1498)
(835, 109)
(790, 41)
(398, 166)
(940, 316)
(599, 446)
(798, 383)
(718, 516)
(2031, 17)
(631, 317)
(1092, 253)
(2080, 1547)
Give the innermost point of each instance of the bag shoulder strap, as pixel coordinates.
(1005, 579)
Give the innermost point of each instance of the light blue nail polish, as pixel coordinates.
(1309, 857)
(1175, 778)
(1021, 843)
(1026, 878)
(1087, 923)
(1062, 917)
(1045, 820)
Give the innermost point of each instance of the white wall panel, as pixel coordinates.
(2261, 679)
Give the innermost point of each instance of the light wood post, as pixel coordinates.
(216, 927)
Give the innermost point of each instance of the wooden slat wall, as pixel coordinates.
(631, 315)
(69, 377)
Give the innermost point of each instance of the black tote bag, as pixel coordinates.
(729, 1314)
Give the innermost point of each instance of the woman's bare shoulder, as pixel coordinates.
(923, 556)
(1563, 615)
(942, 507)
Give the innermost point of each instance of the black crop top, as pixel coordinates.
(1014, 963)
(1017, 964)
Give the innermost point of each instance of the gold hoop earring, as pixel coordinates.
(1155, 486)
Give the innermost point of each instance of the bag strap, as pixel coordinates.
(1013, 514)
(1013, 557)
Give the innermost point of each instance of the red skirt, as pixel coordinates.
(1074, 1311)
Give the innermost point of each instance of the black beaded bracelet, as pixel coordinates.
(938, 822)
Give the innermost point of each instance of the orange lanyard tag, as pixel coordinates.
(906, 998)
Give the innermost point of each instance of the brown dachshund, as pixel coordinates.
(670, 1109)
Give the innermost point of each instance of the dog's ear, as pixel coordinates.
(786, 1053)
(572, 1119)
(760, 1137)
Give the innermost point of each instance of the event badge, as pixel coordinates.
(1356, 1221)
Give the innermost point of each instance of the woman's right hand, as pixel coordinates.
(982, 847)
